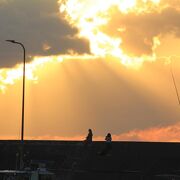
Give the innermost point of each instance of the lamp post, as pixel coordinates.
(23, 99)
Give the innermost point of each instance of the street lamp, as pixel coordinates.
(23, 98)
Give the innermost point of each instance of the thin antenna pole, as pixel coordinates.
(174, 82)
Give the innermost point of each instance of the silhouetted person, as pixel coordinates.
(89, 137)
(108, 145)
(108, 138)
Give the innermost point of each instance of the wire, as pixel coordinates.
(174, 82)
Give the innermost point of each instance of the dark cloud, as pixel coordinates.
(141, 28)
(36, 24)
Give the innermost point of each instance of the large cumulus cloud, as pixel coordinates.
(139, 27)
(39, 25)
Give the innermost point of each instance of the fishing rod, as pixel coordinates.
(174, 82)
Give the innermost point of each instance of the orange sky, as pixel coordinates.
(112, 76)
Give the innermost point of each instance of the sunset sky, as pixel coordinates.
(91, 64)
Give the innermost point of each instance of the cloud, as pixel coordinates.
(2, 2)
(131, 30)
(138, 30)
(47, 31)
(36, 23)
(170, 133)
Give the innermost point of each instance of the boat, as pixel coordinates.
(39, 174)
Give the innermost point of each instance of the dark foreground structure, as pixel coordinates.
(71, 160)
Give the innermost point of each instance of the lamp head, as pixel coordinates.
(12, 41)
